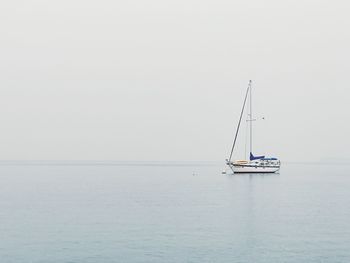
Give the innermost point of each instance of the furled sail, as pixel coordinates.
(252, 157)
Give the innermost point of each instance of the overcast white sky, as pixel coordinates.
(164, 80)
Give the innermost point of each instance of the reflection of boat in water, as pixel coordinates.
(255, 164)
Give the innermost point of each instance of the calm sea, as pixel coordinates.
(155, 212)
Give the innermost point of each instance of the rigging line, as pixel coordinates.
(246, 141)
(251, 117)
(239, 123)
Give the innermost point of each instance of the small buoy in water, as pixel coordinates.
(223, 172)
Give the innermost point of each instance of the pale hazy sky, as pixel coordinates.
(164, 80)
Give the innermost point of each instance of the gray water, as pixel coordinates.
(173, 213)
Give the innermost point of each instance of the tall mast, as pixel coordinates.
(251, 116)
(239, 123)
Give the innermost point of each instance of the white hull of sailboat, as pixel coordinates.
(254, 169)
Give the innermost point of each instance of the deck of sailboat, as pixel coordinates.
(256, 166)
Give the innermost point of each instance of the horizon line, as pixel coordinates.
(88, 162)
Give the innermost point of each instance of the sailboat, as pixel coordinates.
(255, 164)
